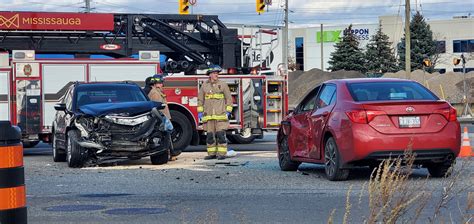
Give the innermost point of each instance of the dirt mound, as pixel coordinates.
(302, 82)
(447, 86)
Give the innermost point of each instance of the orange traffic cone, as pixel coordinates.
(466, 150)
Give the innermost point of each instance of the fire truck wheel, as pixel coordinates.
(76, 155)
(239, 139)
(183, 131)
(58, 155)
(30, 144)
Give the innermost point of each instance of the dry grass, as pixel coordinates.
(394, 197)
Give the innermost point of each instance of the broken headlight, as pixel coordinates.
(129, 121)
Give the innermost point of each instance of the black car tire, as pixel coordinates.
(284, 158)
(239, 139)
(58, 155)
(30, 144)
(440, 169)
(332, 162)
(160, 158)
(183, 131)
(75, 154)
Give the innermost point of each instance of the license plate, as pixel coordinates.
(409, 122)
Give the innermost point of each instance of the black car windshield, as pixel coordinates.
(94, 93)
(390, 90)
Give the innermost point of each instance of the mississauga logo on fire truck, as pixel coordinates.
(16, 21)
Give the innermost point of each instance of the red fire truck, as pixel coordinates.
(30, 87)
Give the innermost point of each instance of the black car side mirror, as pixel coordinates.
(60, 107)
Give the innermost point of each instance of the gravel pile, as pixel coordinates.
(301, 82)
(450, 83)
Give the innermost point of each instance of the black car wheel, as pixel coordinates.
(76, 155)
(284, 158)
(332, 161)
(182, 131)
(58, 155)
(160, 158)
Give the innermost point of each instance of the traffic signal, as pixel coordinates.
(456, 61)
(183, 7)
(427, 62)
(260, 6)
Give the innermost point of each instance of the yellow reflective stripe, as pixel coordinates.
(221, 149)
(214, 117)
(228, 108)
(211, 149)
(200, 109)
(214, 96)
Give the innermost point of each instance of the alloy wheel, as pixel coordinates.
(330, 158)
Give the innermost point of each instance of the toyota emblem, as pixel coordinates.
(410, 109)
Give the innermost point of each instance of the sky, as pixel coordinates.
(302, 12)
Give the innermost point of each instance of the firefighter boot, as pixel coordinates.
(211, 146)
(221, 145)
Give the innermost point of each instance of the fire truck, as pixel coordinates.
(30, 86)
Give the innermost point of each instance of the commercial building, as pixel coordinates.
(455, 37)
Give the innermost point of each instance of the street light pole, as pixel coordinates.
(285, 40)
(88, 6)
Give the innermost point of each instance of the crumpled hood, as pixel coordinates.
(122, 109)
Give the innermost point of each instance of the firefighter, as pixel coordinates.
(214, 108)
(156, 94)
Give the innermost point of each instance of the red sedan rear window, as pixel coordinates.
(386, 91)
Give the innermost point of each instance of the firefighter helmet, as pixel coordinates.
(213, 68)
(157, 78)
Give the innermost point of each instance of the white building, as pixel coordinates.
(455, 37)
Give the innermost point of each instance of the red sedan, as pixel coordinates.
(359, 122)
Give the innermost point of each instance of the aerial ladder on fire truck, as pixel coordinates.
(188, 41)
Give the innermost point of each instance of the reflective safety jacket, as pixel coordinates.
(214, 100)
(156, 94)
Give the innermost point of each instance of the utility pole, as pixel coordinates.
(322, 50)
(467, 108)
(407, 40)
(88, 6)
(285, 40)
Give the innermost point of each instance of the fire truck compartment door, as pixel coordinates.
(253, 99)
(28, 105)
(116, 72)
(56, 80)
(4, 95)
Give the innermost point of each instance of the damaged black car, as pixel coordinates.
(98, 123)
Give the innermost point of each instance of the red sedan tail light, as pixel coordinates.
(363, 116)
(448, 113)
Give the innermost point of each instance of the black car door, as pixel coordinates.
(62, 118)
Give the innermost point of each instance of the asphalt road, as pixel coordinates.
(249, 188)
